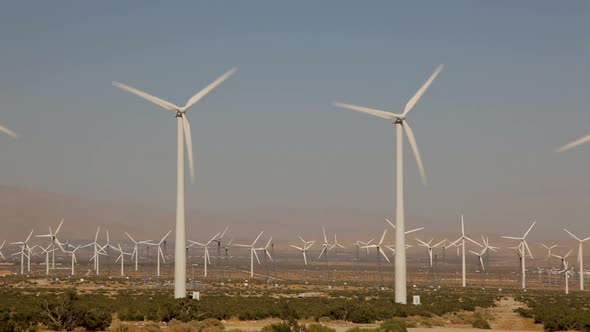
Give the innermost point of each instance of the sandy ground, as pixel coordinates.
(506, 319)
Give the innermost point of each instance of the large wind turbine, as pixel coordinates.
(575, 143)
(580, 256)
(429, 247)
(135, 247)
(462, 244)
(8, 132)
(24, 252)
(524, 248)
(400, 121)
(184, 131)
(303, 249)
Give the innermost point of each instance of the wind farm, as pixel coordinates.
(291, 211)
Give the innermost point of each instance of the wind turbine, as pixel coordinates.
(580, 256)
(379, 246)
(24, 251)
(524, 246)
(184, 132)
(400, 121)
(218, 240)
(549, 248)
(252, 253)
(358, 244)
(2, 246)
(336, 245)
(563, 258)
(325, 245)
(462, 244)
(74, 259)
(206, 256)
(98, 250)
(53, 236)
(575, 143)
(122, 258)
(429, 247)
(567, 273)
(304, 248)
(480, 257)
(160, 253)
(136, 244)
(8, 131)
(47, 251)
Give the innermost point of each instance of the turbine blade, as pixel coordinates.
(573, 144)
(383, 236)
(258, 237)
(390, 223)
(255, 254)
(325, 237)
(383, 254)
(296, 247)
(570, 233)
(59, 227)
(131, 238)
(414, 147)
(8, 132)
(199, 95)
(527, 232)
(374, 112)
(412, 102)
(189, 147)
(158, 101)
(414, 230)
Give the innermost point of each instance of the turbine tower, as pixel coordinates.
(580, 256)
(184, 131)
(401, 123)
(524, 248)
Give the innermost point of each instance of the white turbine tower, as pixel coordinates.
(8, 132)
(98, 250)
(429, 247)
(567, 273)
(53, 236)
(580, 256)
(400, 121)
(206, 256)
(160, 253)
(524, 249)
(136, 244)
(73, 255)
(304, 248)
(252, 253)
(575, 143)
(462, 244)
(122, 258)
(24, 252)
(47, 251)
(184, 132)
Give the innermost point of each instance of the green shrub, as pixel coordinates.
(393, 325)
(318, 328)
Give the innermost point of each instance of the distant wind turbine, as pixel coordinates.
(524, 249)
(206, 257)
(252, 253)
(184, 132)
(461, 241)
(580, 256)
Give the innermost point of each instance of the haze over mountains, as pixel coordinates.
(23, 209)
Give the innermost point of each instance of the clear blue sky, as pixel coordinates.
(516, 85)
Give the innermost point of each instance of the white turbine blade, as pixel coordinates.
(511, 237)
(213, 238)
(414, 230)
(296, 247)
(29, 237)
(199, 95)
(416, 151)
(268, 243)
(462, 226)
(161, 254)
(473, 241)
(370, 241)
(570, 233)
(439, 243)
(161, 102)
(545, 246)
(573, 144)
(473, 252)
(189, 147)
(374, 112)
(165, 236)
(255, 254)
(258, 237)
(325, 237)
(243, 245)
(383, 254)
(59, 227)
(390, 223)
(322, 252)
(422, 243)
(131, 238)
(224, 231)
(456, 241)
(383, 236)
(268, 254)
(309, 244)
(527, 248)
(44, 235)
(8, 131)
(568, 253)
(527, 232)
(302, 240)
(412, 102)
(96, 236)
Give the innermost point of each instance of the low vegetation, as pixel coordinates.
(556, 311)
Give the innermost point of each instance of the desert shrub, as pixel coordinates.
(393, 325)
(284, 326)
(360, 329)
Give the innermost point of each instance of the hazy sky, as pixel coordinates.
(516, 85)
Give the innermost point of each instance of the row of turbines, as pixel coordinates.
(482, 248)
(399, 120)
